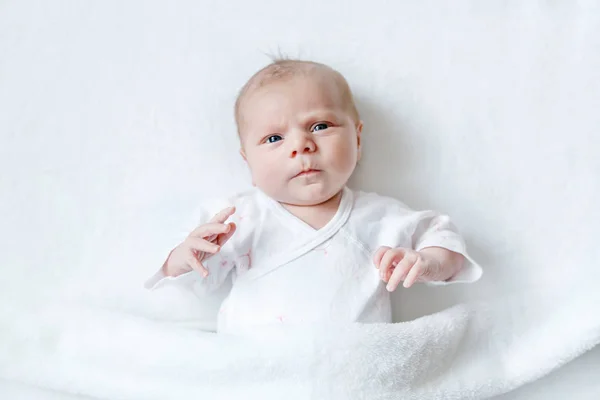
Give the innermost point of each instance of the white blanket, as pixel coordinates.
(465, 352)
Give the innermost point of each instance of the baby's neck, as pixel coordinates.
(318, 215)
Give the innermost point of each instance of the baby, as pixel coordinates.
(302, 247)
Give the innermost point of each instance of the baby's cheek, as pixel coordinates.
(270, 180)
(344, 157)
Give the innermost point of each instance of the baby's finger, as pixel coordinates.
(207, 230)
(400, 272)
(202, 245)
(197, 266)
(387, 263)
(406, 264)
(222, 215)
(415, 273)
(224, 237)
(394, 280)
(379, 254)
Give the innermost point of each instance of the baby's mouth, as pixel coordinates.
(307, 172)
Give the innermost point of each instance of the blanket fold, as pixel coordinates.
(470, 351)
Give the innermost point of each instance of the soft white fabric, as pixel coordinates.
(465, 352)
(115, 115)
(286, 272)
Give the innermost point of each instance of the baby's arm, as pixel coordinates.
(428, 265)
(435, 254)
(204, 241)
(187, 261)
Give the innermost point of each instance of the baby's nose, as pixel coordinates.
(303, 146)
(307, 149)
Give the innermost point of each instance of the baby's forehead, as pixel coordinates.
(298, 98)
(317, 88)
(313, 90)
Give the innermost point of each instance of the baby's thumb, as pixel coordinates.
(224, 237)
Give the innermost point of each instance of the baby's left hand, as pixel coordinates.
(396, 265)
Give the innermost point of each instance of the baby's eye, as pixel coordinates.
(319, 127)
(273, 138)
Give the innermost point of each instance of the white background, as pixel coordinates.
(116, 119)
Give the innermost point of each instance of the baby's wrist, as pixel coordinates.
(443, 264)
(165, 269)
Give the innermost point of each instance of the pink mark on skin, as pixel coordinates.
(280, 318)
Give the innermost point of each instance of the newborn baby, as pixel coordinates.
(301, 247)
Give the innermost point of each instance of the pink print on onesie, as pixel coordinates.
(244, 261)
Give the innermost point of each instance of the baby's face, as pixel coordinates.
(299, 140)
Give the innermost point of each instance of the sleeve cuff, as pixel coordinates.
(159, 279)
(470, 271)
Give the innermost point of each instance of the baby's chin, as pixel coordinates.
(306, 196)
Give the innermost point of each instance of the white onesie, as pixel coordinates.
(286, 272)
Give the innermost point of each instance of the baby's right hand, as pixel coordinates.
(203, 242)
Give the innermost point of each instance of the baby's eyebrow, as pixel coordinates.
(273, 128)
(320, 114)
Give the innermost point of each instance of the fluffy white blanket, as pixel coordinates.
(472, 351)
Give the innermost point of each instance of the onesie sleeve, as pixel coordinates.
(385, 221)
(432, 229)
(219, 265)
